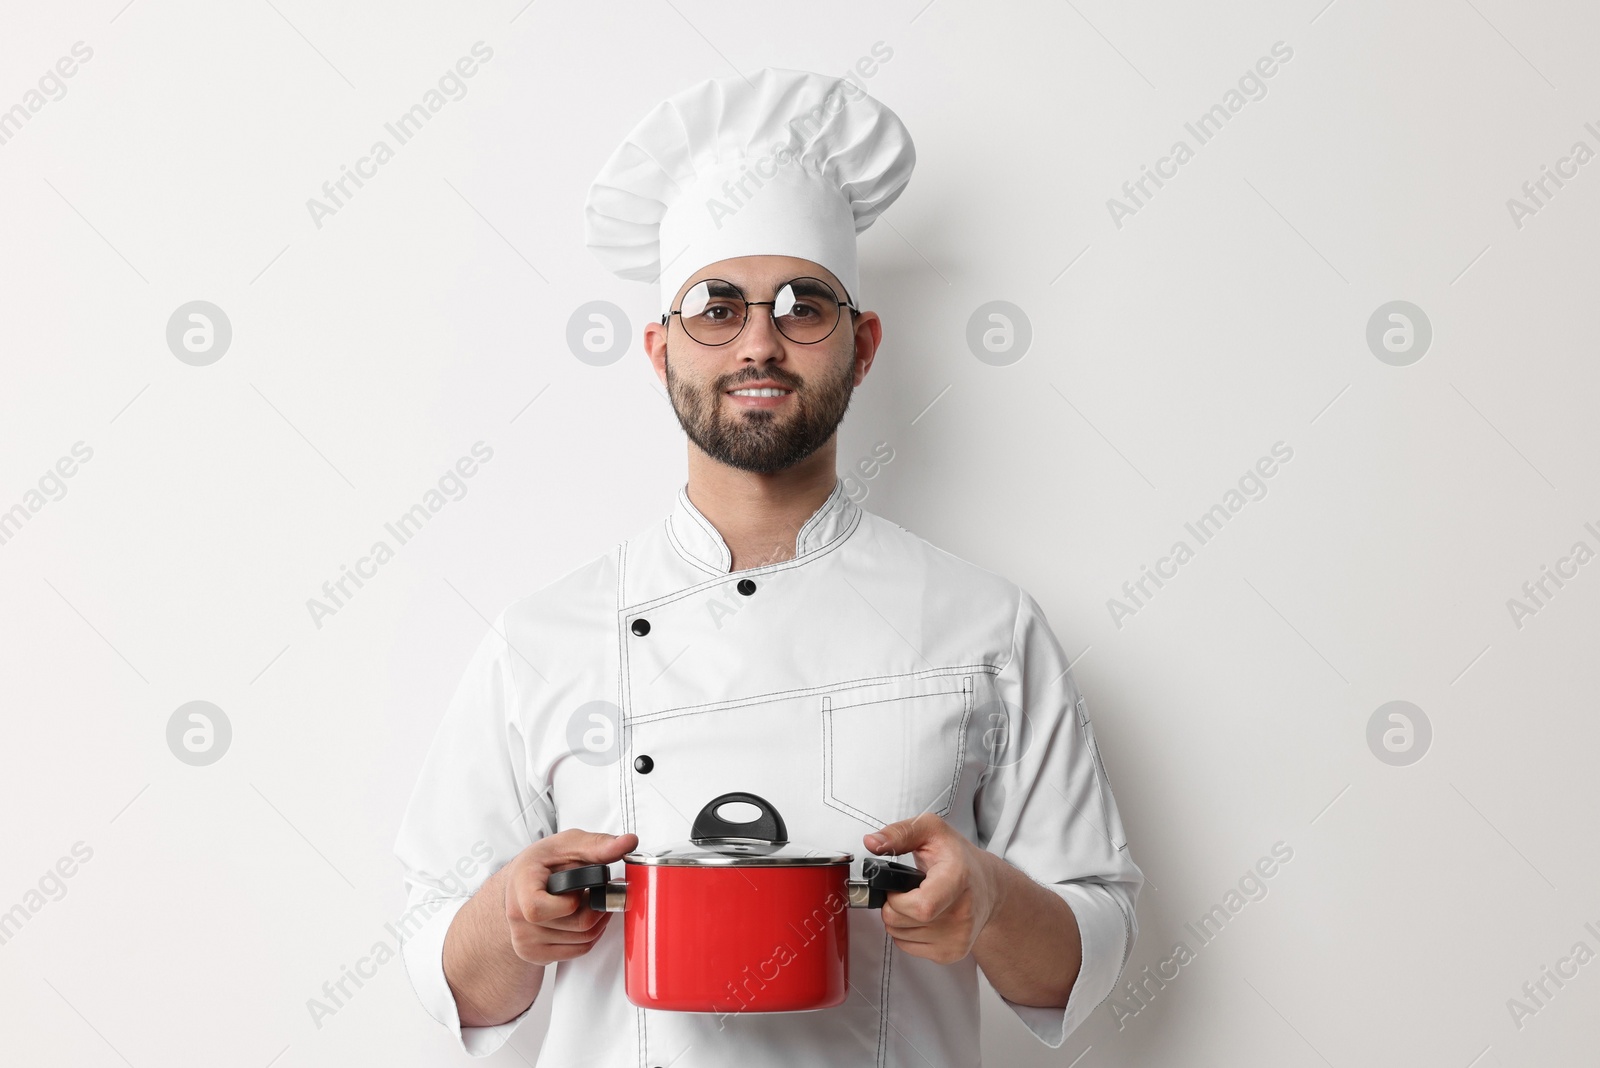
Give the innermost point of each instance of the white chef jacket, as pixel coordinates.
(868, 679)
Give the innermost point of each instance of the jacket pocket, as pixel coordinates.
(891, 753)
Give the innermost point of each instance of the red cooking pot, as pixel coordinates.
(737, 919)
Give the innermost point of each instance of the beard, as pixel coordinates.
(758, 440)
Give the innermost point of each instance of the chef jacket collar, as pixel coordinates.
(698, 541)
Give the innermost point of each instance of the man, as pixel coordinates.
(769, 636)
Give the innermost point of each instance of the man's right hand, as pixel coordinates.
(549, 927)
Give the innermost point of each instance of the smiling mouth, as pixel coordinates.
(762, 391)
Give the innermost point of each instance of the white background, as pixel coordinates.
(1168, 354)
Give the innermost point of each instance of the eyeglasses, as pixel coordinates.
(805, 310)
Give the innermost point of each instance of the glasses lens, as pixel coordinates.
(806, 310)
(713, 311)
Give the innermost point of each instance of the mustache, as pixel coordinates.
(782, 378)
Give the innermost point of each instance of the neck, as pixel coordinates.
(760, 516)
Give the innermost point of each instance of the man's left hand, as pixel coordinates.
(941, 919)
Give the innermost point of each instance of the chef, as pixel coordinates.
(771, 636)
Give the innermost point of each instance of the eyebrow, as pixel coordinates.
(803, 287)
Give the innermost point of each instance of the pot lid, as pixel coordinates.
(715, 841)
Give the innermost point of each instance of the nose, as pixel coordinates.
(760, 336)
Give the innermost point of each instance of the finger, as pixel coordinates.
(938, 894)
(916, 936)
(563, 936)
(581, 919)
(585, 847)
(540, 906)
(904, 918)
(904, 836)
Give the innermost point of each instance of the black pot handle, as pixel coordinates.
(767, 827)
(884, 877)
(571, 880)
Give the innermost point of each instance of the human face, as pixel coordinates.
(761, 434)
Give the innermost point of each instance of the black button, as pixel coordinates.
(746, 587)
(643, 764)
(641, 627)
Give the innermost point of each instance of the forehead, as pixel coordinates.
(762, 274)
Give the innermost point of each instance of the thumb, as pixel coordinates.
(896, 838)
(590, 847)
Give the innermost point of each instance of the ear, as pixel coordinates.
(868, 336)
(655, 347)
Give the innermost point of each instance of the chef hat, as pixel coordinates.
(784, 163)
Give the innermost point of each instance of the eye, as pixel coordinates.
(711, 300)
(791, 305)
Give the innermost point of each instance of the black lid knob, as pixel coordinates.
(767, 827)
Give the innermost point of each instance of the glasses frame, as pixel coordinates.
(748, 304)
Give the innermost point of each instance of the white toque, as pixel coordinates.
(786, 163)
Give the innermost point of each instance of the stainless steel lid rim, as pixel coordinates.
(724, 860)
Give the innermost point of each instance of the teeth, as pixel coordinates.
(765, 392)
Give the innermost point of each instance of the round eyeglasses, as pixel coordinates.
(805, 310)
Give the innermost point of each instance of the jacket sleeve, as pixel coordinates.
(1044, 804)
(469, 815)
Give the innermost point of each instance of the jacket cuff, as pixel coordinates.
(423, 953)
(1103, 929)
